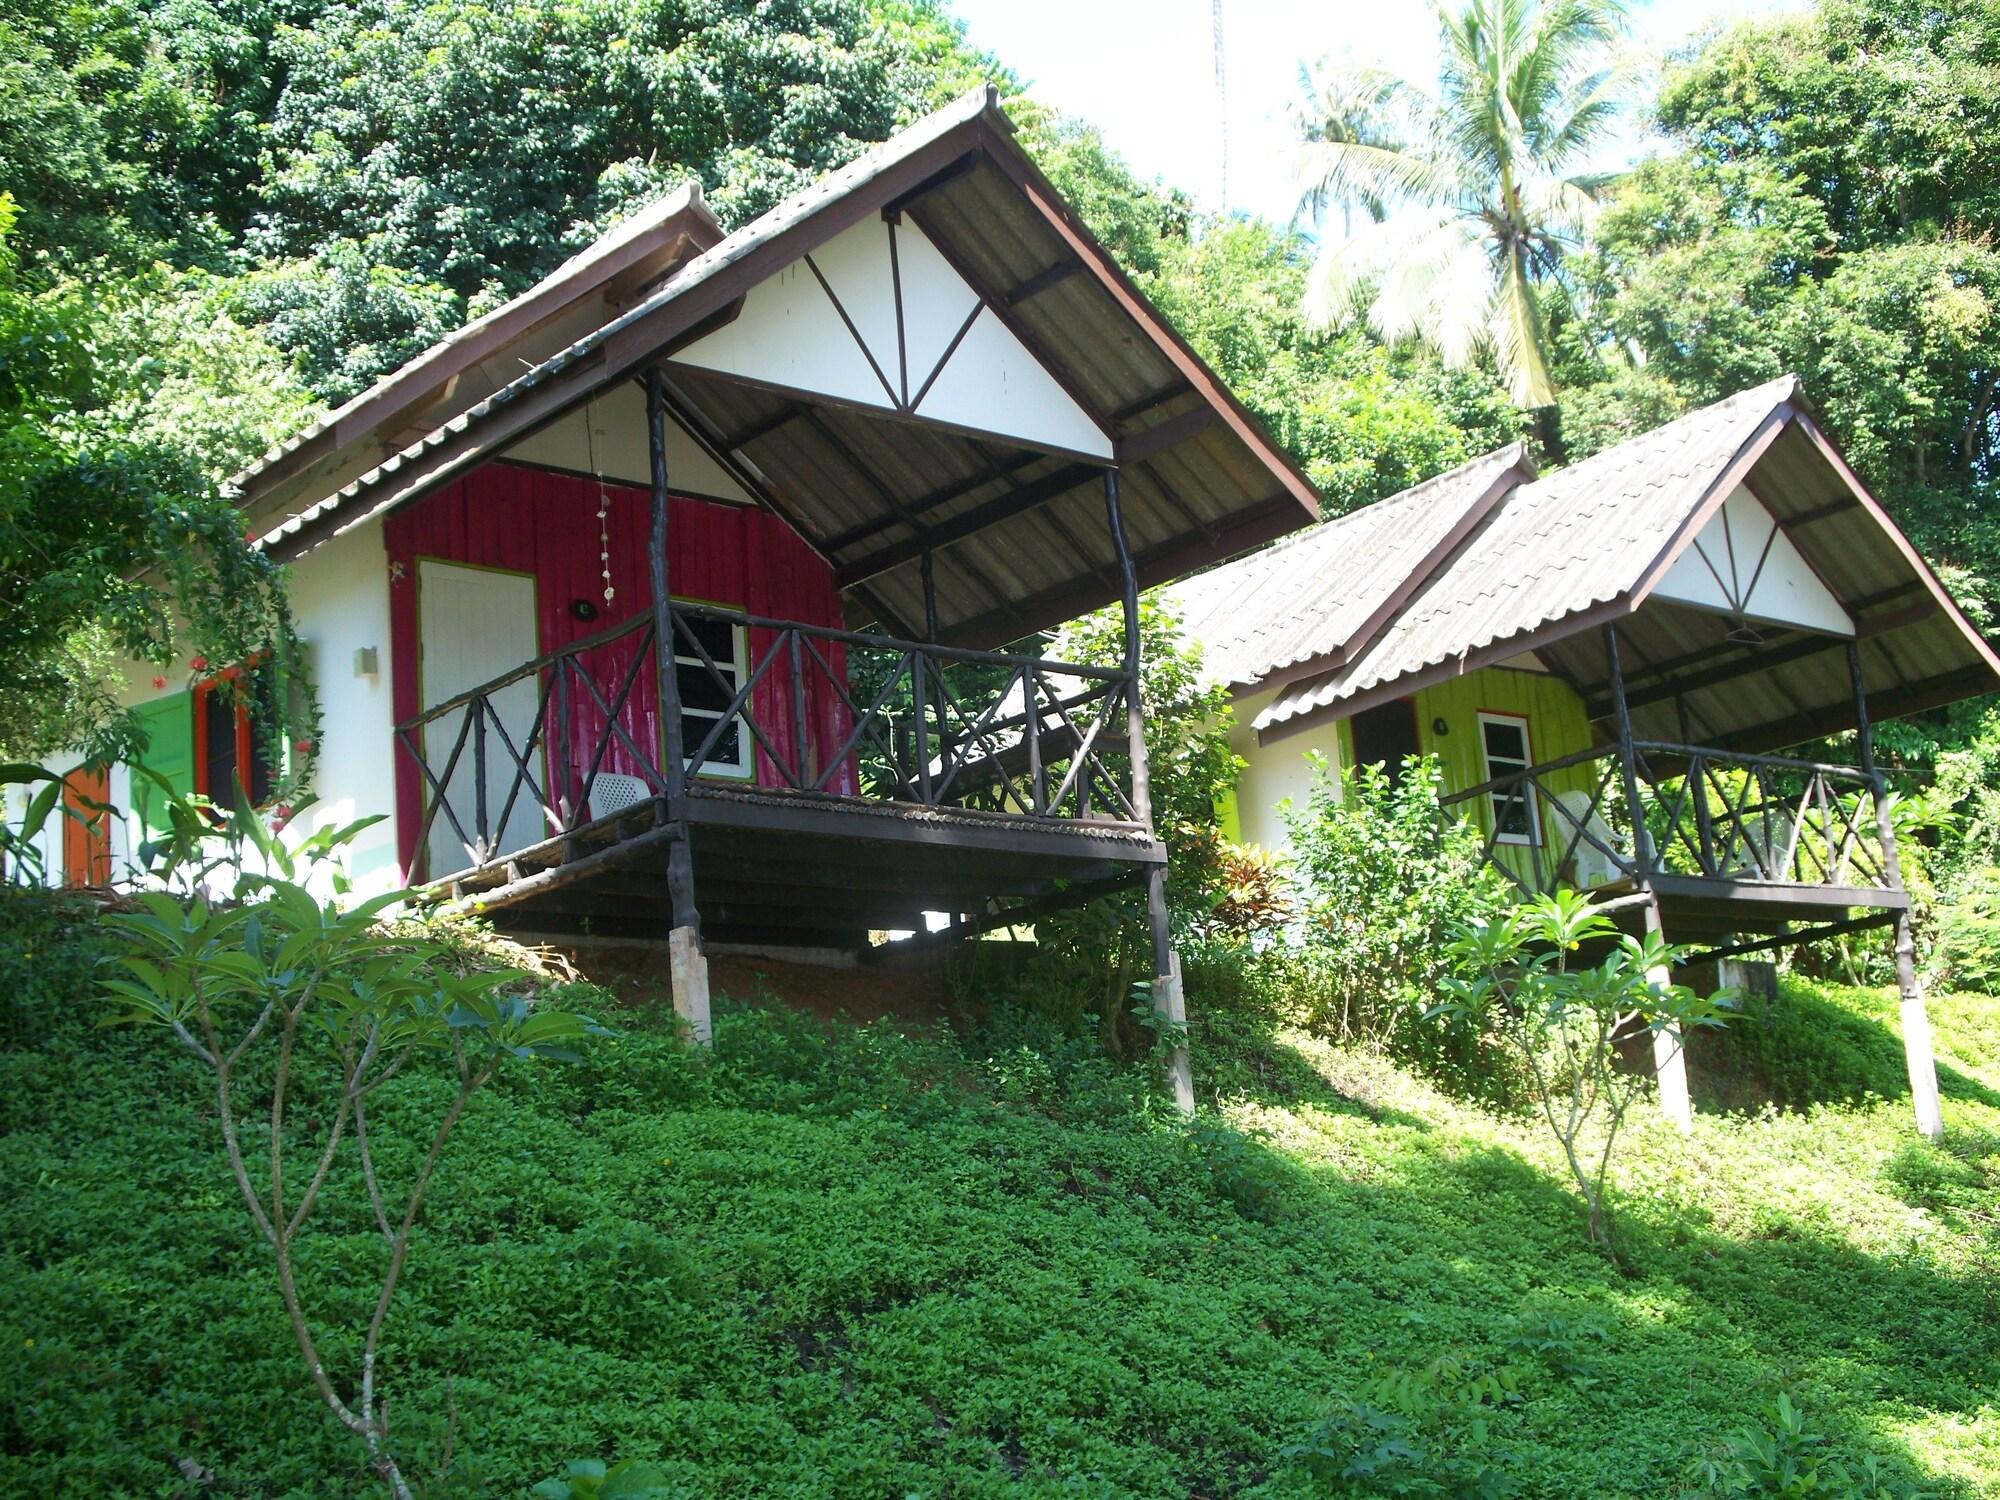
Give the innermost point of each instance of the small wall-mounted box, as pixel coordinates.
(367, 663)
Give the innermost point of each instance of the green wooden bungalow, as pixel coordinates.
(1657, 628)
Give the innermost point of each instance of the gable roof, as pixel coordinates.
(1313, 596)
(1548, 563)
(1017, 533)
(456, 372)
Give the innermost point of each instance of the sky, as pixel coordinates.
(1143, 72)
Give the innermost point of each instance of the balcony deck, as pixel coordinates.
(1738, 851)
(914, 787)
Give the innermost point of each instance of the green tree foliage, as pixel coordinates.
(113, 541)
(1828, 207)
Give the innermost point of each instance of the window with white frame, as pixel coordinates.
(1503, 741)
(706, 695)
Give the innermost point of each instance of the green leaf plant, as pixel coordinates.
(1519, 984)
(278, 992)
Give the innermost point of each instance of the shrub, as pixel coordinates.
(1967, 951)
(1563, 1024)
(1783, 1457)
(1384, 879)
(1418, 1433)
(291, 1003)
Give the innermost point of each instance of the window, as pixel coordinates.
(706, 695)
(232, 717)
(1504, 741)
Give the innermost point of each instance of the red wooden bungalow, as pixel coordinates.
(839, 459)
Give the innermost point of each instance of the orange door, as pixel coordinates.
(87, 845)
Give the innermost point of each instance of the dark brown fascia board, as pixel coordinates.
(1748, 454)
(1597, 615)
(1831, 453)
(1015, 163)
(649, 331)
(417, 387)
(1519, 472)
(996, 303)
(1718, 490)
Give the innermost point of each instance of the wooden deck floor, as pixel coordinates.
(794, 869)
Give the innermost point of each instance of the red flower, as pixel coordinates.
(302, 747)
(198, 663)
(158, 681)
(282, 815)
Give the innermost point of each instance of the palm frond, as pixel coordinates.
(1518, 336)
(1329, 171)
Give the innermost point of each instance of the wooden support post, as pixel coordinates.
(1919, 1056)
(1669, 1045)
(689, 966)
(1169, 1002)
(1628, 761)
(1135, 714)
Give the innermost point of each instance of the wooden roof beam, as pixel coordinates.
(991, 513)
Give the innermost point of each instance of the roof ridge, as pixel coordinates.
(1374, 508)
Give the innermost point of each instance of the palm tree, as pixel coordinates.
(1471, 194)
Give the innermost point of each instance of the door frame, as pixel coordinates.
(420, 849)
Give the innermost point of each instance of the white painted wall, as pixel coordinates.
(340, 602)
(1274, 774)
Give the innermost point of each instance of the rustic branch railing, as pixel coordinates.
(1709, 814)
(834, 712)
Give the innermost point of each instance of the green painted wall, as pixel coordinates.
(1557, 726)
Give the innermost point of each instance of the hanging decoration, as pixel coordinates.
(603, 503)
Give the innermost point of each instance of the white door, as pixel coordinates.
(473, 625)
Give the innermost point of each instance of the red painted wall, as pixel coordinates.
(532, 521)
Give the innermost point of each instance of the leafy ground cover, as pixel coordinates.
(842, 1260)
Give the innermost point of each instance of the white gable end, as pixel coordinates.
(1743, 564)
(607, 437)
(878, 317)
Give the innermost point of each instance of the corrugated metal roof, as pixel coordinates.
(1557, 557)
(860, 485)
(1309, 596)
(1580, 537)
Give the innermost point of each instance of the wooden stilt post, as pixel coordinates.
(687, 963)
(1169, 1003)
(1669, 1046)
(1918, 1053)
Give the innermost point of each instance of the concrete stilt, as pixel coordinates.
(1669, 1048)
(1170, 1005)
(1917, 1050)
(689, 967)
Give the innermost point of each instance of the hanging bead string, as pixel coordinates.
(603, 502)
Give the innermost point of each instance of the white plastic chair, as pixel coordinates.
(1593, 866)
(614, 792)
(1767, 839)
